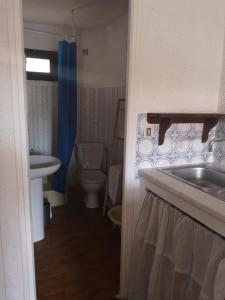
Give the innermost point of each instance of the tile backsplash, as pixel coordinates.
(219, 148)
(182, 145)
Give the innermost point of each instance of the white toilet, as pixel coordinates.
(92, 179)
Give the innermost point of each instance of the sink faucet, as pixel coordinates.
(213, 141)
(31, 151)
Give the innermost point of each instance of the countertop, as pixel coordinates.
(203, 207)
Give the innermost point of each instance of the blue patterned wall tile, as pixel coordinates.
(219, 148)
(182, 145)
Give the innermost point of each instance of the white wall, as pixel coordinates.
(116, 35)
(42, 95)
(175, 63)
(105, 65)
(35, 38)
(101, 81)
(42, 116)
(179, 55)
(91, 65)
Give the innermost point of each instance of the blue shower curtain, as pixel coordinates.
(67, 110)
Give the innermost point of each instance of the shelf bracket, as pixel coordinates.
(166, 120)
(207, 126)
(164, 125)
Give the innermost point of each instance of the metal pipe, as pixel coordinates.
(50, 33)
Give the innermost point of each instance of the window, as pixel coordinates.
(41, 65)
(38, 65)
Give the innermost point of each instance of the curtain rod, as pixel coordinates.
(69, 36)
(51, 33)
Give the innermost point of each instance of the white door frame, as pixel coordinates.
(17, 275)
(17, 279)
(130, 185)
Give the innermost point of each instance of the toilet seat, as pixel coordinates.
(92, 176)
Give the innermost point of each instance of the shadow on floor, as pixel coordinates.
(80, 255)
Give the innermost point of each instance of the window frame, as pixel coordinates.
(43, 54)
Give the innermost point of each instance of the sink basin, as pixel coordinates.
(207, 179)
(43, 165)
(40, 165)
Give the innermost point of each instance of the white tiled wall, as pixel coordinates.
(95, 119)
(96, 116)
(42, 116)
(182, 145)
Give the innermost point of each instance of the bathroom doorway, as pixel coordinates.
(81, 246)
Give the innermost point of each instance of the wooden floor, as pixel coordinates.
(79, 258)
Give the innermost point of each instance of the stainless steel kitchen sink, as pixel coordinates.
(207, 179)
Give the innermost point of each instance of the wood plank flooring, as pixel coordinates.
(80, 256)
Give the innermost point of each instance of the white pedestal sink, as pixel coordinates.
(40, 166)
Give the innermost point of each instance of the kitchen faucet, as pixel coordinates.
(213, 141)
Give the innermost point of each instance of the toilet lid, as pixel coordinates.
(92, 176)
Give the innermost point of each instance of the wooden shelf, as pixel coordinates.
(166, 120)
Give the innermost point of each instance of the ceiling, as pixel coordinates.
(87, 13)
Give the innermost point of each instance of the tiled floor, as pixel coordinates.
(79, 258)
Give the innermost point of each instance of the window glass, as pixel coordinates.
(37, 65)
(41, 64)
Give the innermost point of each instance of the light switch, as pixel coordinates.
(148, 132)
